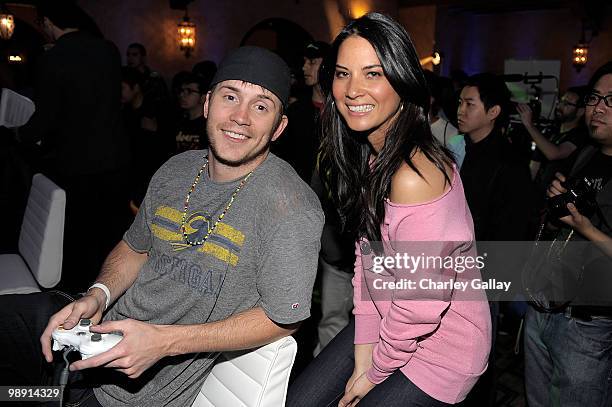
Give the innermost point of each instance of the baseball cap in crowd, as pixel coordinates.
(316, 49)
(258, 66)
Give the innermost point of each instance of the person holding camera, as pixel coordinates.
(568, 345)
(558, 152)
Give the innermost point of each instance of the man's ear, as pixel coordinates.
(280, 128)
(493, 112)
(580, 111)
(206, 104)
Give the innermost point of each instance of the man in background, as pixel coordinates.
(497, 188)
(300, 142)
(154, 87)
(557, 152)
(190, 133)
(77, 124)
(568, 357)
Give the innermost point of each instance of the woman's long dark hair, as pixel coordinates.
(358, 186)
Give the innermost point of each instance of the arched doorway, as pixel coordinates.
(282, 36)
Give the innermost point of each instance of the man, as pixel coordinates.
(154, 87)
(496, 183)
(568, 358)
(221, 256)
(148, 147)
(557, 153)
(77, 122)
(497, 186)
(300, 144)
(190, 133)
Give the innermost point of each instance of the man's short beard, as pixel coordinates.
(565, 118)
(243, 161)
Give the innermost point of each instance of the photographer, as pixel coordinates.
(567, 354)
(558, 152)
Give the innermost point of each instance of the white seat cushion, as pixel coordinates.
(15, 276)
(258, 378)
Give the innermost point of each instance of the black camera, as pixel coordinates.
(581, 192)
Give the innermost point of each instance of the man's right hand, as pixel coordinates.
(525, 114)
(556, 187)
(90, 306)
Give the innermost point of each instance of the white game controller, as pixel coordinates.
(87, 343)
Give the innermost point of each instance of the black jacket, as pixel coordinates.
(592, 271)
(498, 189)
(77, 97)
(299, 143)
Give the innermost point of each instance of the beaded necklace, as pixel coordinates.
(227, 207)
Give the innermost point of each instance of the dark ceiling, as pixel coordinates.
(505, 6)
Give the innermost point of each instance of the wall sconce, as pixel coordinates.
(15, 59)
(435, 58)
(581, 56)
(186, 35)
(580, 52)
(358, 8)
(7, 25)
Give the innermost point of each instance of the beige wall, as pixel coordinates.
(420, 22)
(483, 42)
(221, 24)
(468, 41)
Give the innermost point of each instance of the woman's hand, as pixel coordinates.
(363, 362)
(351, 381)
(358, 390)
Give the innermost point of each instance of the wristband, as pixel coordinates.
(106, 292)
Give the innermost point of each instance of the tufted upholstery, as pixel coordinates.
(258, 378)
(39, 262)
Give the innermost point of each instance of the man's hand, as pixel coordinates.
(141, 347)
(358, 390)
(90, 306)
(556, 188)
(525, 114)
(577, 221)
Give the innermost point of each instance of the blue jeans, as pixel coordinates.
(322, 383)
(568, 361)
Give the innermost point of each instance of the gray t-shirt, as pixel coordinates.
(263, 253)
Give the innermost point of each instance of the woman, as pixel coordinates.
(394, 183)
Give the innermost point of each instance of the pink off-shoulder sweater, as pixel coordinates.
(441, 344)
